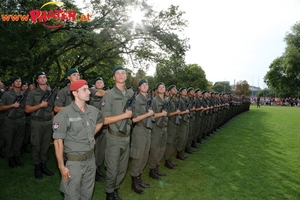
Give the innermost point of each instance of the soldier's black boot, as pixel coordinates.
(142, 183)
(12, 163)
(97, 176)
(100, 173)
(159, 173)
(174, 163)
(45, 170)
(37, 171)
(199, 140)
(180, 156)
(169, 165)
(17, 161)
(116, 196)
(195, 145)
(110, 196)
(152, 174)
(135, 186)
(188, 150)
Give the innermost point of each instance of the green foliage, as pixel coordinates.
(222, 87)
(170, 71)
(175, 71)
(267, 92)
(194, 76)
(111, 38)
(283, 74)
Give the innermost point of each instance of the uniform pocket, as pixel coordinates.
(134, 152)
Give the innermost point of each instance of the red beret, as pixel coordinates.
(77, 84)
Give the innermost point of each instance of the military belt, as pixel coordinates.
(116, 133)
(139, 124)
(84, 157)
(41, 119)
(16, 117)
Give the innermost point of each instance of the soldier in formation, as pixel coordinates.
(148, 126)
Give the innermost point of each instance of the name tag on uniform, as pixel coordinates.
(74, 119)
(87, 123)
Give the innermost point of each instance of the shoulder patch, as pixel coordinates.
(55, 126)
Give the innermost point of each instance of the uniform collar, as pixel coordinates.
(120, 92)
(75, 107)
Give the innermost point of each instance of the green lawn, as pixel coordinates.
(255, 156)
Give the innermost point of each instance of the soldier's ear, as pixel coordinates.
(73, 93)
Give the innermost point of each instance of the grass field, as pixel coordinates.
(255, 156)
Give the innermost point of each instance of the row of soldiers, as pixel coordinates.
(166, 121)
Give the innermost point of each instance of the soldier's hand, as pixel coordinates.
(16, 104)
(65, 174)
(44, 104)
(164, 113)
(150, 112)
(128, 113)
(177, 112)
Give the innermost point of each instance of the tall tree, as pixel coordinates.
(194, 76)
(222, 87)
(170, 71)
(111, 38)
(283, 74)
(242, 88)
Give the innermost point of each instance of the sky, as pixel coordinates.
(235, 40)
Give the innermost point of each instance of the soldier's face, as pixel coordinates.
(199, 94)
(31, 87)
(173, 91)
(144, 88)
(83, 93)
(74, 77)
(161, 89)
(17, 83)
(183, 92)
(192, 92)
(24, 87)
(99, 84)
(120, 76)
(41, 80)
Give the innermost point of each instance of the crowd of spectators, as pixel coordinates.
(269, 101)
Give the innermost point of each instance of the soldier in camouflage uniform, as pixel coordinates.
(159, 132)
(141, 136)
(117, 143)
(182, 131)
(173, 125)
(95, 100)
(14, 122)
(192, 118)
(41, 126)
